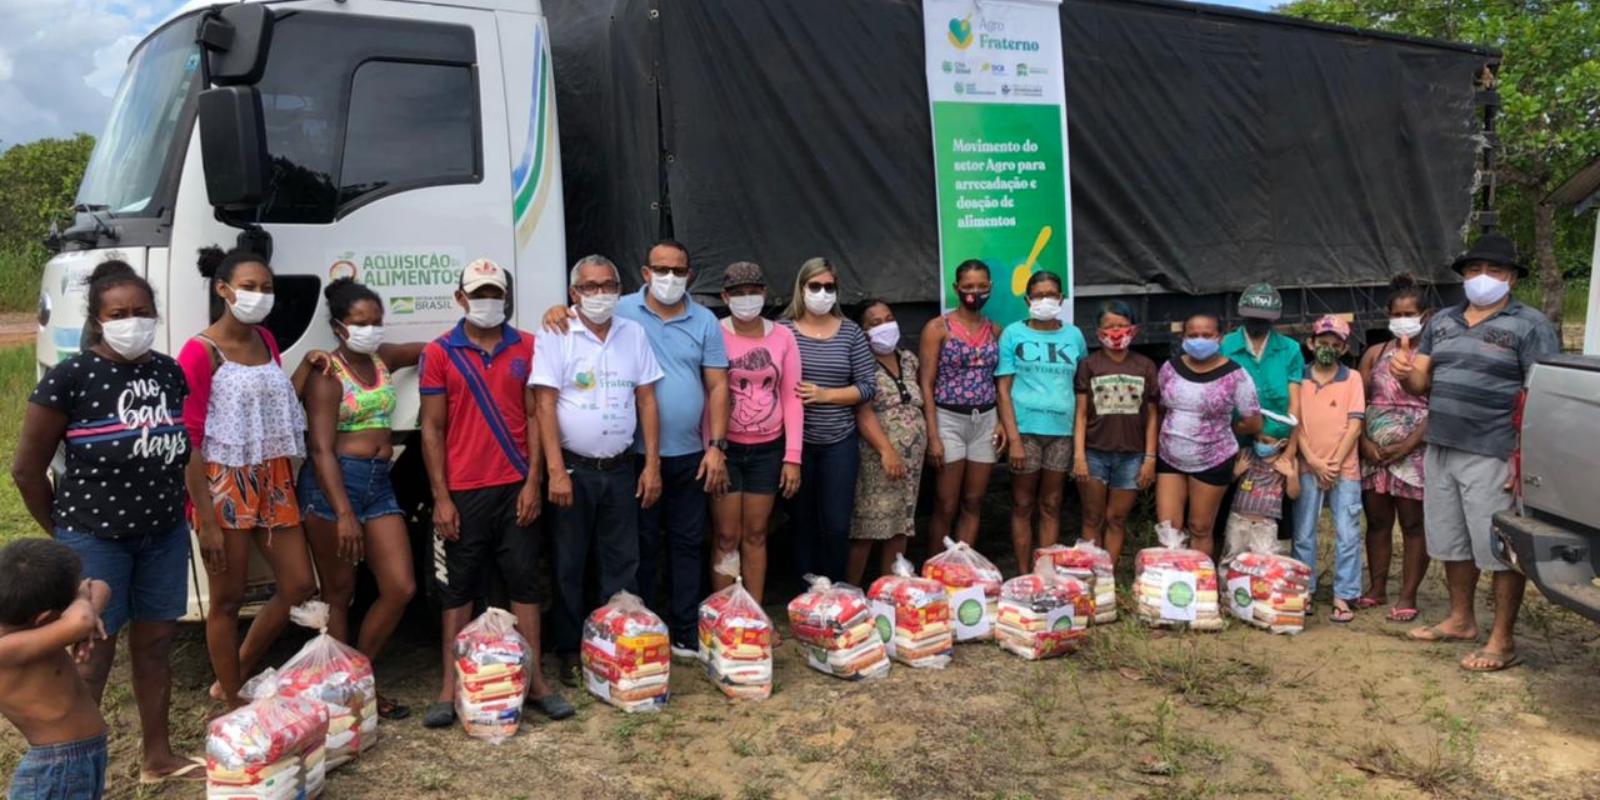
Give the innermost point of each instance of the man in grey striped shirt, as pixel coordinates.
(1471, 364)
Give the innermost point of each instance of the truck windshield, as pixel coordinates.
(130, 158)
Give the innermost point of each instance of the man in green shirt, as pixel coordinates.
(1273, 360)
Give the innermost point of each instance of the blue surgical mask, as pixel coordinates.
(1201, 349)
(1266, 450)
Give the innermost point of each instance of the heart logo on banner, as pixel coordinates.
(961, 33)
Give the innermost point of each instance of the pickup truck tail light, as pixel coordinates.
(1516, 455)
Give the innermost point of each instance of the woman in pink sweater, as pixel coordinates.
(764, 425)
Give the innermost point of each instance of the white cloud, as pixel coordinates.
(61, 60)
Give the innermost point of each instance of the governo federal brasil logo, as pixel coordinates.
(960, 33)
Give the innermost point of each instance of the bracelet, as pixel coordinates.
(1149, 456)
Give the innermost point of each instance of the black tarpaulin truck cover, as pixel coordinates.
(1209, 148)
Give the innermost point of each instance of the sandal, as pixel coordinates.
(1402, 614)
(553, 706)
(195, 770)
(1364, 603)
(1341, 614)
(440, 715)
(1492, 661)
(1432, 633)
(392, 711)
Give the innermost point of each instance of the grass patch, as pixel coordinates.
(16, 382)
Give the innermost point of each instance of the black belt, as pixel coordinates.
(575, 461)
(958, 409)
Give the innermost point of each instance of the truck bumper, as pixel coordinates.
(1558, 560)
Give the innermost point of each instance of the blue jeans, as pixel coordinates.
(1344, 501)
(148, 574)
(71, 771)
(679, 518)
(822, 508)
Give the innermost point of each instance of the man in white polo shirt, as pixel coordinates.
(595, 389)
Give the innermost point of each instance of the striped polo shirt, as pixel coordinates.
(834, 363)
(1478, 372)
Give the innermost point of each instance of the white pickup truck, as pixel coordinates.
(1553, 536)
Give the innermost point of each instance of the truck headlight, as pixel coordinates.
(44, 309)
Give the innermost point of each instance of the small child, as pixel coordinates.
(1333, 405)
(1265, 475)
(44, 612)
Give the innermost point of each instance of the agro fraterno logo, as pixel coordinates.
(584, 380)
(1180, 595)
(970, 613)
(960, 33)
(344, 266)
(1241, 597)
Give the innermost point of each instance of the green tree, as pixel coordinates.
(1549, 121)
(38, 182)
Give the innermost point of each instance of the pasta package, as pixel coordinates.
(912, 617)
(1091, 564)
(833, 623)
(491, 676)
(627, 657)
(339, 676)
(1043, 614)
(1269, 591)
(1175, 587)
(736, 638)
(973, 583)
(275, 748)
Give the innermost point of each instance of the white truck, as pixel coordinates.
(385, 139)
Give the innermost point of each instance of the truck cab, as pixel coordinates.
(385, 140)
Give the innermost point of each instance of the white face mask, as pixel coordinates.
(250, 307)
(598, 308)
(1485, 290)
(486, 312)
(668, 289)
(1405, 326)
(1044, 309)
(363, 338)
(129, 337)
(746, 307)
(884, 338)
(820, 302)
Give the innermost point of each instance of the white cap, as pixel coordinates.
(482, 272)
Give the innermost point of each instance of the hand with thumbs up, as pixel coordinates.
(1404, 361)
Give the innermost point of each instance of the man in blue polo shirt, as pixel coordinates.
(688, 346)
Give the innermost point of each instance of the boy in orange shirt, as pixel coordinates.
(1333, 405)
(44, 611)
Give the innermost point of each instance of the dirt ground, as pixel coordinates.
(17, 328)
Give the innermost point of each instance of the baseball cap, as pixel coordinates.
(482, 272)
(742, 273)
(1261, 301)
(1331, 324)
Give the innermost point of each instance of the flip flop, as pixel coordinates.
(1341, 615)
(1431, 633)
(439, 715)
(392, 711)
(1398, 614)
(1364, 603)
(195, 770)
(553, 706)
(1497, 661)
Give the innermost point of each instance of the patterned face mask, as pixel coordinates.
(1118, 338)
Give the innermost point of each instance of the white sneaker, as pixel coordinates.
(691, 654)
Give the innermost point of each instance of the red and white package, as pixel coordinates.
(973, 583)
(912, 617)
(339, 676)
(1091, 564)
(1176, 587)
(1043, 614)
(736, 638)
(1269, 591)
(275, 748)
(627, 658)
(491, 676)
(833, 623)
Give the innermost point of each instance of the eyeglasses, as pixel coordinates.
(819, 286)
(592, 289)
(676, 272)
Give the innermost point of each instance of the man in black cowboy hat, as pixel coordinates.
(1471, 363)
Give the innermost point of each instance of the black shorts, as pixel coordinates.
(754, 468)
(490, 536)
(1220, 475)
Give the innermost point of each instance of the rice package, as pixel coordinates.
(275, 748)
(833, 623)
(1091, 564)
(1044, 614)
(491, 676)
(339, 676)
(1175, 587)
(1269, 591)
(627, 658)
(736, 638)
(973, 583)
(912, 617)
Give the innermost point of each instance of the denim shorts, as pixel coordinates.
(755, 468)
(1118, 471)
(366, 482)
(71, 771)
(148, 575)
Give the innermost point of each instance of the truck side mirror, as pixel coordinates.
(233, 147)
(236, 41)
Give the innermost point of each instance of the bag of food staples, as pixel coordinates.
(912, 617)
(1044, 614)
(736, 638)
(1264, 587)
(338, 675)
(275, 748)
(627, 659)
(1091, 564)
(1175, 587)
(833, 623)
(491, 676)
(973, 583)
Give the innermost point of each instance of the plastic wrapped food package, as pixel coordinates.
(1175, 587)
(912, 617)
(736, 638)
(338, 675)
(1269, 591)
(1044, 614)
(275, 748)
(973, 583)
(491, 676)
(833, 623)
(627, 660)
(1091, 564)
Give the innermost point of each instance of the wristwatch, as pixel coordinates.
(720, 444)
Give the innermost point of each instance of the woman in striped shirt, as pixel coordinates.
(836, 374)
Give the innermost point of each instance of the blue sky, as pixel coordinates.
(60, 60)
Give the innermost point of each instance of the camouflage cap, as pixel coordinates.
(742, 273)
(1261, 301)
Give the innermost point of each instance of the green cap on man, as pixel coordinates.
(1260, 301)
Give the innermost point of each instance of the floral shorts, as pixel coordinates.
(257, 496)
